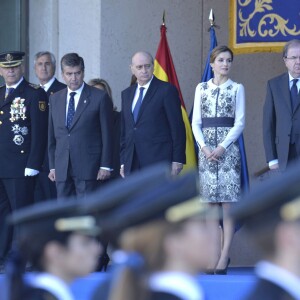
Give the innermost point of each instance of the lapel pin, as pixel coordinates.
(84, 101)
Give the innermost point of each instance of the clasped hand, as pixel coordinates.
(213, 155)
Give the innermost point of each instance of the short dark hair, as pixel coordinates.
(219, 49)
(288, 45)
(72, 60)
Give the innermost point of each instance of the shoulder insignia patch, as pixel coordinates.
(42, 105)
(35, 86)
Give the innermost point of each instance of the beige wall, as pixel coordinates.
(62, 26)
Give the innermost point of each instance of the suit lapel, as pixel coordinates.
(148, 97)
(284, 91)
(62, 107)
(52, 86)
(84, 101)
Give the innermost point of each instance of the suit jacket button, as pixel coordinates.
(134, 128)
(0, 122)
(1, 112)
(22, 151)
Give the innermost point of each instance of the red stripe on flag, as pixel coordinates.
(163, 56)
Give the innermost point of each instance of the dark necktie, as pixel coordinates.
(294, 94)
(138, 104)
(71, 110)
(8, 92)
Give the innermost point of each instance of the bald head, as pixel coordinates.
(145, 54)
(142, 67)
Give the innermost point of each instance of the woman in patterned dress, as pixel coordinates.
(218, 121)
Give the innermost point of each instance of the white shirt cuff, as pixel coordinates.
(30, 172)
(107, 169)
(273, 162)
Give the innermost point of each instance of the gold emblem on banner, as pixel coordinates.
(278, 23)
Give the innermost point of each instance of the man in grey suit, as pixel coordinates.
(281, 118)
(79, 133)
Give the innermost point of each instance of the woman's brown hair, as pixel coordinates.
(219, 49)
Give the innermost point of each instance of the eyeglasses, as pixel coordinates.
(293, 58)
(140, 67)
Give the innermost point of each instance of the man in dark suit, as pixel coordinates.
(23, 139)
(271, 217)
(152, 128)
(281, 118)
(44, 66)
(80, 133)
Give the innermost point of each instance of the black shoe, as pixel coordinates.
(209, 272)
(223, 271)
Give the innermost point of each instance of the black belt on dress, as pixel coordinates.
(217, 122)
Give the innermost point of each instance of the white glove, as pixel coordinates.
(30, 172)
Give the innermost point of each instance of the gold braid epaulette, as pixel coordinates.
(35, 86)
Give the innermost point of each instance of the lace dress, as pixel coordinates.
(218, 119)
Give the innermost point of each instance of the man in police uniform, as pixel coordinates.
(44, 67)
(271, 213)
(23, 138)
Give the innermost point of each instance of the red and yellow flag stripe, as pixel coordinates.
(164, 70)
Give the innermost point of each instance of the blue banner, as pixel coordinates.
(263, 25)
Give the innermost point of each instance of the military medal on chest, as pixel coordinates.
(17, 110)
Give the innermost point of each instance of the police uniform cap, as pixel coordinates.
(52, 216)
(10, 59)
(159, 203)
(271, 202)
(121, 190)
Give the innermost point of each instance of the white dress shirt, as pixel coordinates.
(239, 121)
(48, 84)
(52, 284)
(280, 277)
(291, 78)
(137, 93)
(179, 284)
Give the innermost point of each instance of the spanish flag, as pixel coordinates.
(164, 70)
